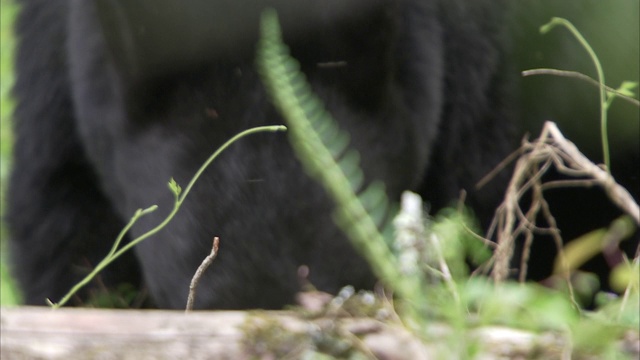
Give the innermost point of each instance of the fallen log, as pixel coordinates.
(77, 333)
(80, 333)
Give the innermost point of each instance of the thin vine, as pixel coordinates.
(180, 196)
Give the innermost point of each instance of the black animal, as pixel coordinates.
(106, 116)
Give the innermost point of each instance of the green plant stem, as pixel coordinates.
(604, 103)
(576, 75)
(106, 261)
(114, 253)
(126, 229)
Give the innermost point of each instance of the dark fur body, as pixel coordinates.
(423, 95)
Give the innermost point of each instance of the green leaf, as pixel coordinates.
(174, 187)
(625, 275)
(627, 87)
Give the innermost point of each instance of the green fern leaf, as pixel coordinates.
(323, 150)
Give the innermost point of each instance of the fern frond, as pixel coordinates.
(323, 150)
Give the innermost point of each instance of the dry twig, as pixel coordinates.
(201, 269)
(550, 149)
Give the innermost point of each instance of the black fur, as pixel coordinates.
(423, 95)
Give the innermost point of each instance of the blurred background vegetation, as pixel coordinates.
(8, 9)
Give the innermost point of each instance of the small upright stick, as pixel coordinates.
(201, 269)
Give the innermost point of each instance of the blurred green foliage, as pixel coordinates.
(7, 14)
(8, 11)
